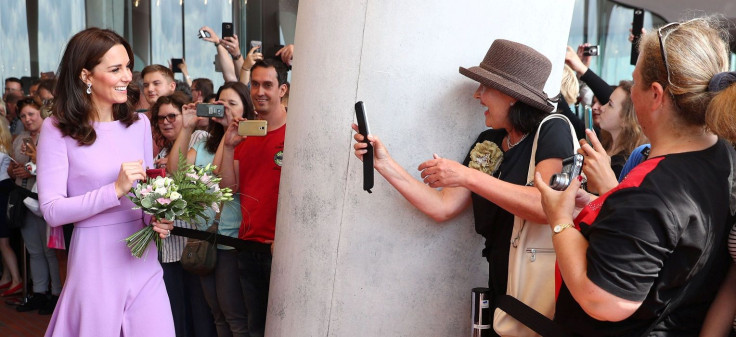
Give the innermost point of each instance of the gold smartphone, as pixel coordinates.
(252, 128)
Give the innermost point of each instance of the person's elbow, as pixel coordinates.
(604, 306)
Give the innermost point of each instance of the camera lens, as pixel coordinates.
(559, 181)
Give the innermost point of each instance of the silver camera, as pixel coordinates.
(571, 168)
(203, 34)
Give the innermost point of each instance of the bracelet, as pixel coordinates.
(237, 57)
(217, 44)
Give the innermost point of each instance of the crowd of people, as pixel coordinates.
(94, 109)
(641, 237)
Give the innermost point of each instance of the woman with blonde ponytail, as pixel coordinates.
(648, 256)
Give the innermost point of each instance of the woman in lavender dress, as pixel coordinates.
(92, 150)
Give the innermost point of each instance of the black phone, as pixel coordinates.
(210, 110)
(227, 29)
(368, 156)
(636, 27)
(175, 65)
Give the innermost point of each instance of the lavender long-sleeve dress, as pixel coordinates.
(107, 292)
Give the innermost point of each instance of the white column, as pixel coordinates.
(349, 263)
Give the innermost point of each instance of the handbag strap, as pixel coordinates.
(529, 317)
(512, 306)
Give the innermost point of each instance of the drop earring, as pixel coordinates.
(89, 88)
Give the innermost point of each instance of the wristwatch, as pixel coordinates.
(559, 228)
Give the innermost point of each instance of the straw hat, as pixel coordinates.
(515, 70)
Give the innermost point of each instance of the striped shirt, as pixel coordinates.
(173, 246)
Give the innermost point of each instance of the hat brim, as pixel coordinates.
(507, 87)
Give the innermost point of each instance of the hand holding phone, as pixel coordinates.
(227, 29)
(175, 65)
(363, 129)
(210, 110)
(253, 128)
(258, 44)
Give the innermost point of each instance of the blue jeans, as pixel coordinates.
(225, 296)
(255, 274)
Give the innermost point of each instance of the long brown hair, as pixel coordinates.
(631, 135)
(216, 130)
(72, 107)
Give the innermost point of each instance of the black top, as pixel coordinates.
(600, 88)
(577, 124)
(495, 223)
(658, 235)
(618, 161)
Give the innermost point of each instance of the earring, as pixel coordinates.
(89, 88)
(511, 103)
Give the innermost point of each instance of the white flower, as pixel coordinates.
(158, 183)
(160, 191)
(174, 196)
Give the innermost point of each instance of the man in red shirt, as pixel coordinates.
(252, 166)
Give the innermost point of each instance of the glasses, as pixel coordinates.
(662, 33)
(171, 118)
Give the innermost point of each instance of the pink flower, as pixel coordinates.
(192, 176)
(205, 179)
(163, 201)
(147, 190)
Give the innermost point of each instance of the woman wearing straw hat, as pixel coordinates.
(651, 253)
(511, 79)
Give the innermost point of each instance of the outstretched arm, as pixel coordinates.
(440, 205)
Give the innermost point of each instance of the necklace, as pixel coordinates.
(508, 141)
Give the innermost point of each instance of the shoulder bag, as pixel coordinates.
(531, 275)
(200, 256)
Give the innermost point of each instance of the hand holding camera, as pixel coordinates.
(209, 35)
(571, 169)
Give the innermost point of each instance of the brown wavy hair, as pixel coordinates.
(216, 130)
(631, 135)
(72, 107)
(177, 100)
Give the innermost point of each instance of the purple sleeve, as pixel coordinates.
(53, 172)
(148, 152)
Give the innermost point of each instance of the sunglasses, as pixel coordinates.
(171, 118)
(662, 33)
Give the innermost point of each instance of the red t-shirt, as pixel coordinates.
(259, 160)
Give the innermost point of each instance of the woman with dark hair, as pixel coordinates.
(91, 152)
(497, 189)
(647, 257)
(222, 287)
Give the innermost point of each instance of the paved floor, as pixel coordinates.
(25, 324)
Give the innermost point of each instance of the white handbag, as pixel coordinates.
(531, 274)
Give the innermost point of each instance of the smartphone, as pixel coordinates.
(258, 44)
(218, 65)
(636, 27)
(227, 29)
(210, 110)
(590, 51)
(27, 140)
(364, 130)
(252, 128)
(175, 65)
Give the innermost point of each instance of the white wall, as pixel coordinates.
(349, 263)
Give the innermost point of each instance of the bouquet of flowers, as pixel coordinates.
(184, 196)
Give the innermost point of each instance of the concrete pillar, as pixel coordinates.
(349, 263)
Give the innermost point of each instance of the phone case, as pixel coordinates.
(252, 128)
(364, 130)
(227, 29)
